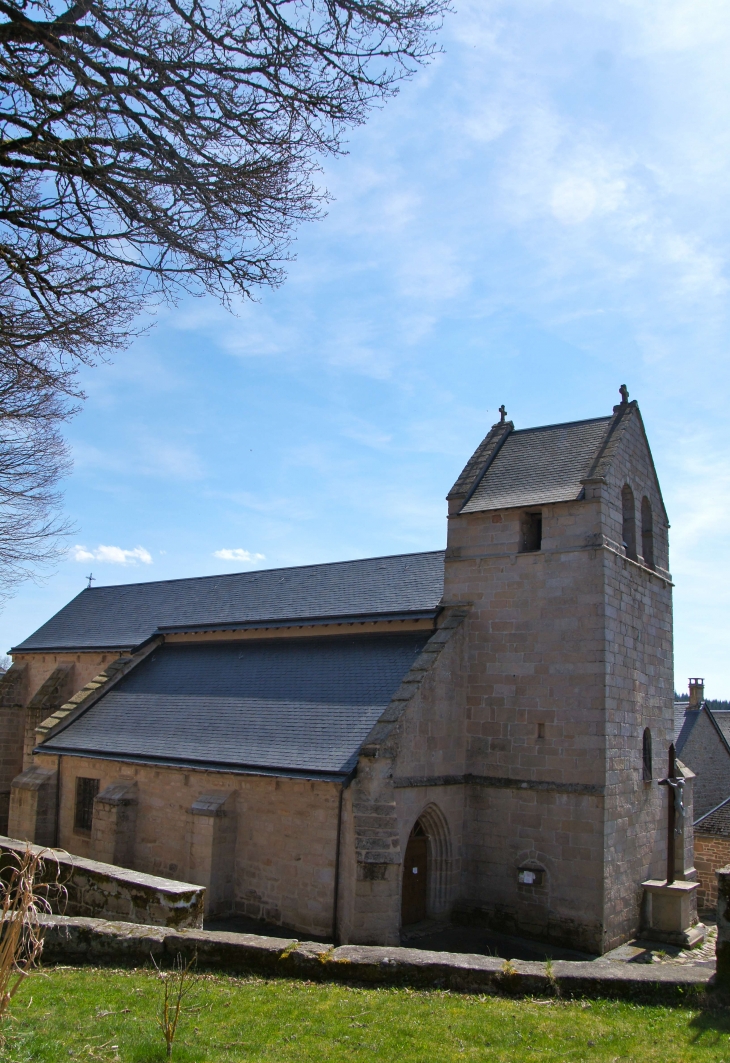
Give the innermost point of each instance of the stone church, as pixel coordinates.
(345, 748)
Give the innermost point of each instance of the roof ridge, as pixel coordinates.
(715, 809)
(561, 424)
(262, 571)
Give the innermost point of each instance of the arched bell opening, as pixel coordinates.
(426, 868)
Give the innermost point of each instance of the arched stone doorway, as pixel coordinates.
(414, 906)
(426, 868)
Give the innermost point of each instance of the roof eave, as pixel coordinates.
(320, 621)
(246, 625)
(275, 771)
(524, 505)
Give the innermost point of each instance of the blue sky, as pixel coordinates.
(541, 215)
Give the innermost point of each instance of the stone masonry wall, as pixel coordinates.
(639, 685)
(569, 659)
(285, 838)
(535, 747)
(428, 770)
(13, 695)
(51, 694)
(87, 664)
(420, 732)
(24, 683)
(711, 853)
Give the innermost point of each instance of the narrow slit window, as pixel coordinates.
(629, 521)
(648, 773)
(86, 791)
(647, 533)
(531, 532)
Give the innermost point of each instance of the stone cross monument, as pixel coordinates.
(670, 905)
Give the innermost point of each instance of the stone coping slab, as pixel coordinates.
(83, 863)
(105, 891)
(99, 941)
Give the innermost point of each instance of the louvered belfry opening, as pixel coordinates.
(647, 533)
(648, 770)
(531, 532)
(628, 508)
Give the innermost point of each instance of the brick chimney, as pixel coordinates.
(696, 693)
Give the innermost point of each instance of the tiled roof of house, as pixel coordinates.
(717, 821)
(123, 617)
(284, 706)
(536, 466)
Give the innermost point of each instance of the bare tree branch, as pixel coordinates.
(33, 457)
(167, 145)
(150, 147)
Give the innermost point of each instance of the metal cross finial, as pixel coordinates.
(90, 577)
(502, 414)
(624, 393)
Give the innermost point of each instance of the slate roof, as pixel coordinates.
(716, 821)
(679, 707)
(684, 721)
(284, 706)
(535, 466)
(722, 719)
(123, 617)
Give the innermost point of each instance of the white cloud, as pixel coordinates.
(574, 200)
(112, 555)
(80, 553)
(238, 555)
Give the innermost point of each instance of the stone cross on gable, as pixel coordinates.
(502, 414)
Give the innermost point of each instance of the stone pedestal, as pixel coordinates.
(722, 948)
(670, 913)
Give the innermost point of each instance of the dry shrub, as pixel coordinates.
(25, 892)
(176, 986)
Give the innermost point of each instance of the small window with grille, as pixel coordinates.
(86, 791)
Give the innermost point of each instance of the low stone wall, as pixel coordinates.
(96, 941)
(102, 891)
(711, 853)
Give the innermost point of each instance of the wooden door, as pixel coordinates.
(415, 878)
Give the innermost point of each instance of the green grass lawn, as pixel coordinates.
(101, 1014)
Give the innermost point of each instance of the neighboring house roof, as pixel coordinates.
(722, 719)
(680, 707)
(685, 720)
(717, 821)
(684, 723)
(123, 617)
(299, 706)
(536, 466)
